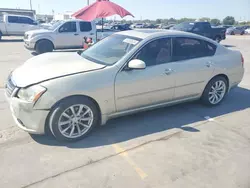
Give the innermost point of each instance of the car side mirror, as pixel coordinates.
(136, 64)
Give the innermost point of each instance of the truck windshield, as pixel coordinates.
(55, 25)
(185, 26)
(111, 49)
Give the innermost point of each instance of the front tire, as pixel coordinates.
(73, 119)
(215, 91)
(43, 46)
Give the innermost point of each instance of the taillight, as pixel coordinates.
(242, 60)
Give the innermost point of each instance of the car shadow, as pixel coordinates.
(155, 121)
(11, 40)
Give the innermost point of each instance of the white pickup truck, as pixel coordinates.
(62, 35)
(16, 25)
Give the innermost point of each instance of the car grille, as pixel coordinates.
(10, 87)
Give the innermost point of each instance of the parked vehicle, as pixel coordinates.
(202, 28)
(69, 94)
(62, 35)
(236, 31)
(247, 31)
(138, 25)
(121, 27)
(170, 26)
(225, 26)
(48, 25)
(16, 25)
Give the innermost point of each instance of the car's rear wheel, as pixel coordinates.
(1, 35)
(218, 39)
(73, 119)
(215, 91)
(232, 33)
(43, 46)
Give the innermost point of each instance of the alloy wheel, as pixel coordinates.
(75, 121)
(217, 92)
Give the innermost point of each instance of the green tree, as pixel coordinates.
(186, 20)
(229, 20)
(215, 22)
(172, 20)
(158, 21)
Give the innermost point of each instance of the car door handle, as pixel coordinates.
(91, 33)
(76, 34)
(168, 71)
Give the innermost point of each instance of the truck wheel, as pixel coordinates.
(217, 39)
(44, 46)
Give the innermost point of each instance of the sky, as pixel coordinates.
(147, 9)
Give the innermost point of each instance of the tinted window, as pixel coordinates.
(85, 26)
(156, 52)
(188, 48)
(25, 20)
(12, 19)
(68, 27)
(210, 48)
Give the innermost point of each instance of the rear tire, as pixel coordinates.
(215, 91)
(232, 33)
(44, 46)
(217, 39)
(73, 119)
(1, 35)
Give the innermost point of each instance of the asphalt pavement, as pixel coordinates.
(187, 145)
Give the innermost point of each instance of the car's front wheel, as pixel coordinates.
(73, 119)
(215, 91)
(43, 46)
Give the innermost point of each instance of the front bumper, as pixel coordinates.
(29, 45)
(26, 118)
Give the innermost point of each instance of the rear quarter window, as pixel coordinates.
(210, 48)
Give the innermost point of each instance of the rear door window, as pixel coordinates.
(85, 26)
(190, 48)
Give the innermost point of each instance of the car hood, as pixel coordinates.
(38, 31)
(51, 65)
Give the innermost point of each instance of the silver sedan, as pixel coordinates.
(68, 94)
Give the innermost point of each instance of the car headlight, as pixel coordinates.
(31, 94)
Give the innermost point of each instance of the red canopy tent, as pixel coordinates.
(101, 9)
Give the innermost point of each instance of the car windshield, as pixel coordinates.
(55, 25)
(111, 49)
(185, 26)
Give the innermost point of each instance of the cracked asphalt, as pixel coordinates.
(187, 145)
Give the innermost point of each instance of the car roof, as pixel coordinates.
(146, 33)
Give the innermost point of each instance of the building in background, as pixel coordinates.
(24, 12)
(63, 16)
(44, 18)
